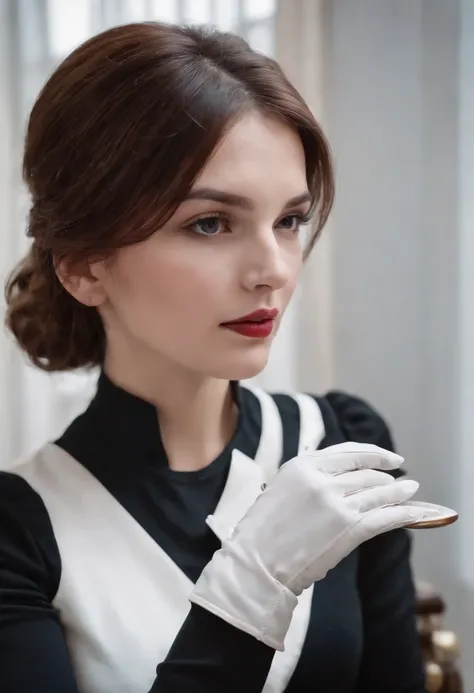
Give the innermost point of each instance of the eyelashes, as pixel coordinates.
(299, 220)
(217, 223)
(210, 224)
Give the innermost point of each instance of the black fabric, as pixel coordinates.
(30, 566)
(290, 416)
(210, 656)
(361, 635)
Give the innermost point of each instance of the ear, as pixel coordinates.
(82, 282)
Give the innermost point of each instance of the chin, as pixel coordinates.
(242, 366)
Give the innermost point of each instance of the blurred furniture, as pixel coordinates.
(440, 646)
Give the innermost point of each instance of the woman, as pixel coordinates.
(170, 171)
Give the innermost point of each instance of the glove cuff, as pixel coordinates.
(246, 596)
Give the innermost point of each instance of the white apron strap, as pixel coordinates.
(247, 477)
(243, 485)
(270, 448)
(284, 663)
(312, 429)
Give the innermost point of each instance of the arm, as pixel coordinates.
(211, 656)
(33, 652)
(208, 655)
(391, 660)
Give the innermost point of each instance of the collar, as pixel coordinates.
(122, 429)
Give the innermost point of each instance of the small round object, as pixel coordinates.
(445, 646)
(434, 515)
(434, 677)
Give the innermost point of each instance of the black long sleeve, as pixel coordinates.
(34, 657)
(391, 660)
(210, 655)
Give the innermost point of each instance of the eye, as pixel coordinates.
(293, 222)
(210, 225)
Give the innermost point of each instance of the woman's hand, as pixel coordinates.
(319, 507)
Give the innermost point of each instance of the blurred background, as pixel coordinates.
(385, 306)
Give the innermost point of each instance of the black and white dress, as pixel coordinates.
(100, 544)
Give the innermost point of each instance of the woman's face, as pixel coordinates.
(231, 249)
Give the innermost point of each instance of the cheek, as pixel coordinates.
(145, 279)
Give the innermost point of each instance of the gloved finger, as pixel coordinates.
(348, 457)
(391, 494)
(391, 517)
(352, 482)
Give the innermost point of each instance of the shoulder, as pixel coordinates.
(359, 420)
(303, 420)
(351, 418)
(29, 553)
(344, 416)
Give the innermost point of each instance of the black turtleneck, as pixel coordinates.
(361, 637)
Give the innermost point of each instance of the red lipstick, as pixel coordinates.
(258, 324)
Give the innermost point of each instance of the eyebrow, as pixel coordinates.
(233, 200)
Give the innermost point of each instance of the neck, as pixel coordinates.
(197, 415)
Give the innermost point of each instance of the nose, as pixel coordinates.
(266, 262)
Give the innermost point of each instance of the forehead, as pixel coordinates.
(258, 155)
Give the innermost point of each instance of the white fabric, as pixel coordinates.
(121, 598)
(244, 484)
(304, 523)
(270, 448)
(284, 663)
(312, 429)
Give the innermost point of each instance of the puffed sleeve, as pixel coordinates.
(360, 422)
(391, 660)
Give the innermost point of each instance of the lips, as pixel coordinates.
(258, 324)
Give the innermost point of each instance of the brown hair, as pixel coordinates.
(114, 142)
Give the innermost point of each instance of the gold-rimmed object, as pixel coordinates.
(435, 515)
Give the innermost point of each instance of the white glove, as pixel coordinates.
(318, 508)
